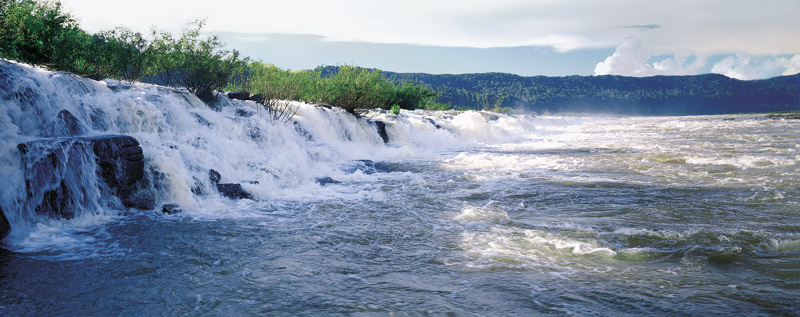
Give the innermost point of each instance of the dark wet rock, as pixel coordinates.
(171, 208)
(69, 124)
(5, 227)
(381, 127)
(257, 98)
(55, 168)
(95, 77)
(205, 94)
(429, 120)
(214, 176)
(244, 113)
(233, 191)
(251, 182)
(325, 106)
(326, 180)
(784, 116)
(238, 95)
(121, 164)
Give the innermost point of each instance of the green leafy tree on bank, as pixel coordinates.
(276, 87)
(42, 34)
(191, 61)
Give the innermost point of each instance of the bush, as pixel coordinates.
(276, 87)
(354, 89)
(411, 96)
(41, 34)
(395, 109)
(191, 61)
(122, 54)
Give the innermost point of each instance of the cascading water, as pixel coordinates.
(460, 212)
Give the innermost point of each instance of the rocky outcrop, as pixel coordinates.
(326, 180)
(171, 208)
(205, 94)
(55, 173)
(381, 127)
(238, 95)
(232, 191)
(5, 228)
(71, 126)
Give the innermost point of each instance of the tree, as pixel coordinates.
(191, 61)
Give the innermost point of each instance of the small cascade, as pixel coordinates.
(73, 146)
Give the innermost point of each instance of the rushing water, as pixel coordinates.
(486, 215)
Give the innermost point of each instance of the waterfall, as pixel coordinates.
(182, 139)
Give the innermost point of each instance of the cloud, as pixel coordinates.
(748, 67)
(632, 59)
(704, 27)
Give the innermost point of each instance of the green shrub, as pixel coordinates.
(122, 54)
(410, 95)
(276, 87)
(191, 61)
(354, 89)
(42, 34)
(396, 109)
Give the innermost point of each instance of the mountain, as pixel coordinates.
(658, 95)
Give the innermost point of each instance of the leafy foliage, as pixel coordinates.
(395, 109)
(353, 88)
(191, 61)
(276, 88)
(40, 33)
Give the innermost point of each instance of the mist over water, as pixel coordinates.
(485, 215)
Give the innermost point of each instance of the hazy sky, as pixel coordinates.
(741, 39)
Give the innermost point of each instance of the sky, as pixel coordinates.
(740, 39)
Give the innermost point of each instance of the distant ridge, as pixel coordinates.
(657, 95)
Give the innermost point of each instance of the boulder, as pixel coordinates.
(5, 228)
(205, 94)
(238, 95)
(214, 176)
(233, 191)
(326, 180)
(171, 208)
(257, 98)
(55, 172)
(381, 127)
(70, 125)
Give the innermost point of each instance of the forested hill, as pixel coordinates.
(659, 95)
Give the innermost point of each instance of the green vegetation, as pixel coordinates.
(41, 33)
(395, 109)
(659, 95)
(191, 61)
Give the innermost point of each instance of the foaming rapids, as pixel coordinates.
(183, 138)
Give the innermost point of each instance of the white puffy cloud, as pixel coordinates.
(631, 59)
(748, 67)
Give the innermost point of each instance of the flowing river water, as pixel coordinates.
(461, 212)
